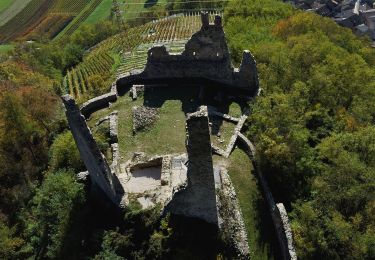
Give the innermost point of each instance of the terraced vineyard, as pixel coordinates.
(10, 9)
(132, 46)
(72, 7)
(25, 20)
(40, 17)
(77, 80)
(80, 18)
(137, 59)
(49, 26)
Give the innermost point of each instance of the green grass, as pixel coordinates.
(235, 110)
(167, 135)
(130, 11)
(4, 48)
(257, 220)
(117, 61)
(101, 12)
(4, 4)
(226, 130)
(10, 8)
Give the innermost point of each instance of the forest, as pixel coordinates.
(313, 125)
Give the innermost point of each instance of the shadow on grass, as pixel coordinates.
(267, 234)
(267, 240)
(191, 97)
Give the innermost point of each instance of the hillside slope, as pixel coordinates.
(129, 50)
(36, 19)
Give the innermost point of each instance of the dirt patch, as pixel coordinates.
(143, 180)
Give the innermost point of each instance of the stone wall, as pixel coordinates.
(97, 103)
(232, 226)
(198, 199)
(206, 56)
(278, 213)
(95, 162)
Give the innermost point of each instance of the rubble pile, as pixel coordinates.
(144, 117)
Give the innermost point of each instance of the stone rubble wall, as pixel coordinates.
(144, 117)
(97, 103)
(239, 121)
(212, 111)
(279, 216)
(287, 230)
(166, 170)
(136, 90)
(115, 166)
(232, 224)
(233, 139)
(102, 120)
(206, 56)
(94, 160)
(198, 199)
(113, 126)
(113, 134)
(218, 150)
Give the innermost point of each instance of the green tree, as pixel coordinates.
(50, 213)
(64, 153)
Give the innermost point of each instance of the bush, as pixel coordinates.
(312, 123)
(49, 215)
(64, 153)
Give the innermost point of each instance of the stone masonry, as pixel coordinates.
(206, 56)
(93, 159)
(199, 198)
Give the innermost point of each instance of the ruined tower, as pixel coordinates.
(198, 199)
(95, 162)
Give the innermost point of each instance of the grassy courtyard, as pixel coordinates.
(166, 135)
(257, 220)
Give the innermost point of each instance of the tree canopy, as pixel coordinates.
(312, 123)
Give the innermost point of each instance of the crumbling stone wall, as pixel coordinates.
(97, 103)
(199, 198)
(232, 227)
(278, 213)
(93, 159)
(206, 56)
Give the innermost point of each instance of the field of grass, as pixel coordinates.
(10, 10)
(223, 128)
(132, 9)
(80, 18)
(128, 9)
(4, 4)
(6, 47)
(101, 12)
(167, 135)
(235, 110)
(258, 222)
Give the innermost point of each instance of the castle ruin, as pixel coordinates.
(184, 184)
